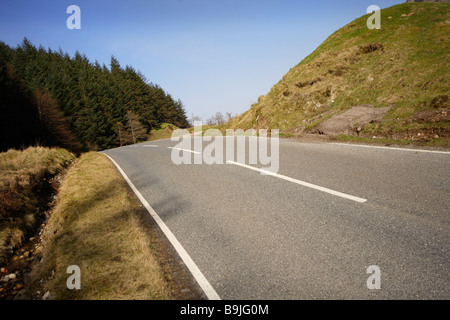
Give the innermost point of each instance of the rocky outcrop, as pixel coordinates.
(351, 121)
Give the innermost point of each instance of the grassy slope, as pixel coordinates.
(97, 225)
(164, 132)
(351, 68)
(24, 187)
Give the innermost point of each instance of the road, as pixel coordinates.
(256, 236)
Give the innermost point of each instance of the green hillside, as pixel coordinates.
(403, 66)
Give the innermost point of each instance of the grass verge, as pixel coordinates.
(97, 225)
(164, 132)
(25, 188)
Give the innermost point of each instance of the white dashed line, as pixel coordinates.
(303, 183)
(195, 152)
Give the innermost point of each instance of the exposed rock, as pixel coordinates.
(345, 123)
(9, 277)
(18, 286)
(46, 295)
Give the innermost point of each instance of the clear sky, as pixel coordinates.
(214, 55)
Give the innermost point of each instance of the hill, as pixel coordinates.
(401, 72)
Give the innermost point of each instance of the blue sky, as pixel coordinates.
(214, 55)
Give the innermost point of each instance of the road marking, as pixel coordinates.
(184, 150)
(303, 183)
(150, 145)
(198, 275)
(391, 148)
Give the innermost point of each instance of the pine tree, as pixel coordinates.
(86, 99)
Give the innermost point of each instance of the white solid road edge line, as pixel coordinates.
(303, 183)
(390, 148)
(198, 275)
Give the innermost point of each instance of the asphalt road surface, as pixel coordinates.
(257, 236)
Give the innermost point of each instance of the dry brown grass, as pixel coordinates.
(97, 225)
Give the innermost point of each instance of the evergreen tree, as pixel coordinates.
(83, 99)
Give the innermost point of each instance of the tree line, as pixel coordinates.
(215, 120)
(50, 98)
